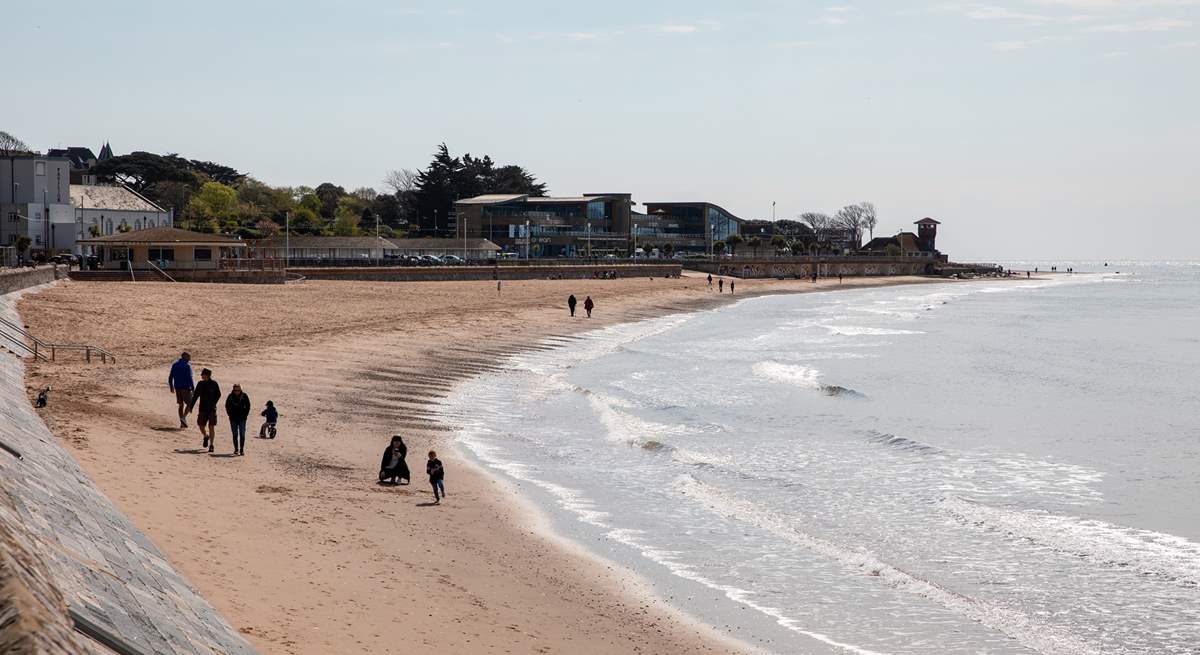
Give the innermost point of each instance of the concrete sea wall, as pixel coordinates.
(503, 272)
(71, 546)
(15, 279)
(802, 267)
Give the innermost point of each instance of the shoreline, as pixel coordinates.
(192, 539)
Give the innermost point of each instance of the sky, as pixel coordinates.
(1031, 128)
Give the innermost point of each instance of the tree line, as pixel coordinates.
(213, 197)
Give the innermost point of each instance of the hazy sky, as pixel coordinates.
(1035, 128)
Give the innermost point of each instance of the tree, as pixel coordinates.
(719, 247)
(869, 219)
(123, 227)
(734, 241)
(143, 171)
(667, 249)
(401, 180)
(779, 242)
(755, 243)
(850, 219)
(215, 172)
(816, 221)
(892, 250)
(22, 245)
(212, 206)
(345, 223)
(267, 228)
(329, 194)
(448, 179)
(10, 144)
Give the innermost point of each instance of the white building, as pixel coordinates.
(101, 210)
(35, 202)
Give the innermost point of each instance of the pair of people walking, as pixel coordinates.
(206, 394)
(393, 468)
(588, 305)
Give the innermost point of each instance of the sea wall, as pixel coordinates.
(803, 267)
(103, 568)
(15, 279)
(503, 272)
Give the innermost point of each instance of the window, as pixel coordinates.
(39, 168)
(203, 254)
(162, 254)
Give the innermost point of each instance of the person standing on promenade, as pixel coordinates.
(721, 285)
(436, 476)
(588, 305)
(392, 467)
(207, 393)
(731, 283)
(180, 383)
(571, 302)
(237, 407)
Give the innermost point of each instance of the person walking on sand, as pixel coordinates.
(207, 393)
(498, 287)
(721, 285)
(710, 280)
(571, 302)
(437, 474)
(588, 306)
(237, 407)
(392, 467)
(180, 383)
(731, 284)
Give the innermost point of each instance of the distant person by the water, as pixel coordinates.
(731, 285)
(588, 305)
(180, 383)
(270, 418)
(710, 279)
(237, 407)
(721, 286)
(839, 278)
(498, 287)
(207, 393)
(437, 476)
(393, 468)
(1026, 273)
(571, 302)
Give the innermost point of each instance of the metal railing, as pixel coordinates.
(161, 272)
(39, 347)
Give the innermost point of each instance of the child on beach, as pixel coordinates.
(270, 416)
(436, 474)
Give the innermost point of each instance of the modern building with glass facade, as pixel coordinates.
(593, 224)
(575, 226)
(691, 226)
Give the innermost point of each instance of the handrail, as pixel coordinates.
(160, 271)
(131, 276)
(105, 356)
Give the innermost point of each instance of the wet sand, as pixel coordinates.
(295, 543)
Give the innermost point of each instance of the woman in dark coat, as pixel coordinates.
(392, 467)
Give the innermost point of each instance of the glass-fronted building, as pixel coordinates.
(574, 226)
(691, 226)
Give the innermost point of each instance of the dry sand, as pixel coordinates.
(295, 543)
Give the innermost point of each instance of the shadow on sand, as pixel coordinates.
(190, 451)
(159, 428)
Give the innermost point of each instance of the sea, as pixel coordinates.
(998, 466)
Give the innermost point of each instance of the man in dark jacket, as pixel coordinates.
(180, 384)
(207, 393)
(392, 467)
(237, 407)
(571, 302)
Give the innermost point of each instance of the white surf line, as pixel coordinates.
(1020, 627)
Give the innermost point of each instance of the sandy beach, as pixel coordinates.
(295, 543)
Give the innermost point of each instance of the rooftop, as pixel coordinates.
(155, 235)
(309, 241)
(491, 199)
(89, 196)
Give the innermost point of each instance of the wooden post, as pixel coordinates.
(52, 353)
(87, 350)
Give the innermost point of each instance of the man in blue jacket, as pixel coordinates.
(180, 383)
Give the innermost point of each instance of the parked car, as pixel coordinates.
(453, 260)
(431, 260)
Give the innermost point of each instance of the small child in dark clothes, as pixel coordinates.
(436, 474)
(271, 416)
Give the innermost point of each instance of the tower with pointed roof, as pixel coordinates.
(106, 153)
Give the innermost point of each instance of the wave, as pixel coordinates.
(1144, 552)
(902, 443)
(804, 377)
(859, 330)
(1027, 630)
